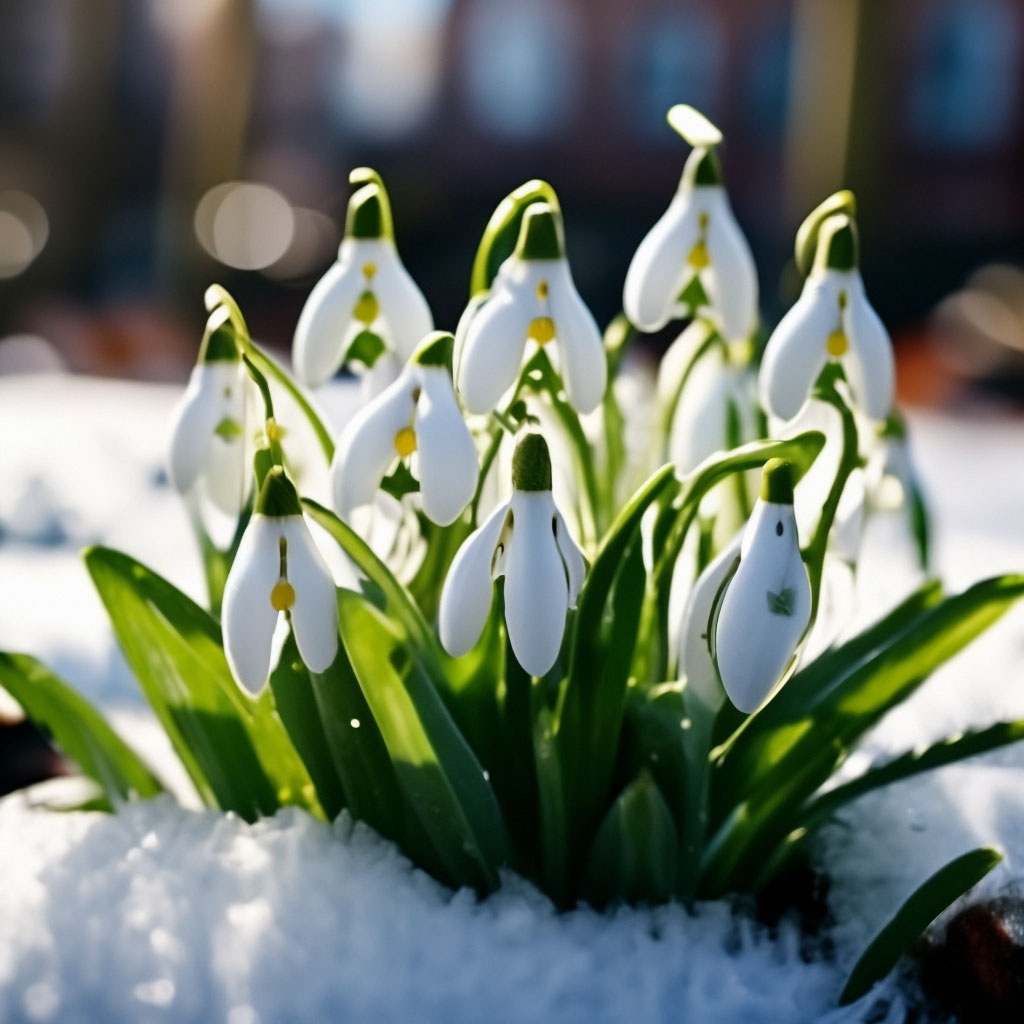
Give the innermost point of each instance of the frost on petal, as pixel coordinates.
(366, 447)
(193, 423)
(247, 616)
(582, 356)
(468, 589)
(326, 320)
(795, 354)
(765, 610)
(493, 351)
(536, 589)
(315, 612)
(572, 558)
(448, 468)
(868, 365)
(656, 272)
(735, 276)
(403, 308)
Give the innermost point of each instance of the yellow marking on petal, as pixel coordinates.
(542, 330)
(842, 299)
(367, 308)
(542, 290)
(702, 222)
(698, 258)
(836, 344)
(275, 432)
(369, 270)
(405, 441)
(282, 597)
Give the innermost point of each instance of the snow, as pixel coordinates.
(164, 913)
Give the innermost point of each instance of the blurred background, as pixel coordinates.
(148, 147)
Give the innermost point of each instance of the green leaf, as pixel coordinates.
(635, 853)
(554, 832)
(77, 728)
(296, 704)
(603, 637)
(922, 907)
(441, 778)
(234, 748)
(815, 741)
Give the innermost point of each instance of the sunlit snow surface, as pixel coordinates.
(165, 914)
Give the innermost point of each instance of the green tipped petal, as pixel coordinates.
(278, 496)
(843, 201)
(540, 236)
(777, 482)
(435, 350)
(531, 464)
(702, 168)
(219, 344)
(369, 213)
(693, 126)
(838, 245)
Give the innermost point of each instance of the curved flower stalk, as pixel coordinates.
(278, 569)
(366, 309)
(766, 607)
(533, 298)
(832, 321)
(210, 446)
(416, 417)
(695, 260)
(526, 541)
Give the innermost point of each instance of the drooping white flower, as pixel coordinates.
(831, 321)
(533, 298)
(695, 258)
(767, 603)
(526, 541)
(366, 308)
(417, 416)
(209, 448)
(278, 569)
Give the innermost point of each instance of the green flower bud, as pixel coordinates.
(531, 464)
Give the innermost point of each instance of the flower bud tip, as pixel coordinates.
(278, 496)
(540, 235)
(531, 464)
(777, 482)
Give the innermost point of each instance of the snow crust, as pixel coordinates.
(163, 913)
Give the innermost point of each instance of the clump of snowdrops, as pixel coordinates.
(525, 611)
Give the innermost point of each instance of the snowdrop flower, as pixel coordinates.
(209, 449)
(416, 417)
(278, 569)
(526, 541)
(831, 321)
(533, 297)
(366, 308)
(695, 257)
(767, 603)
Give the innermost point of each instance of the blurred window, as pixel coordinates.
(963, 95)
(520, 65)
(670, 56)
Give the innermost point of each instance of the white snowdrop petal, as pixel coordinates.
(701, 416)
(228, 474)
(583, 362)
(366, 446)
(765, 610)
(378, 377)
(326, 320)
(869, 364)
(536, 590)
(247, 615)
(403, 308)
(655, 274)
(448, 468)
(315, 612)
(468, 589)
(572, 557)
(493, 351)
(735, 276)
(462, 329)
(678, 357)
(193, 422)
(796, 353)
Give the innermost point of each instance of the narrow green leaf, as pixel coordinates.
(922, 907)
(442, 780)
(634, 855)
(77, 728)
(554, 839)
(235, 749)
